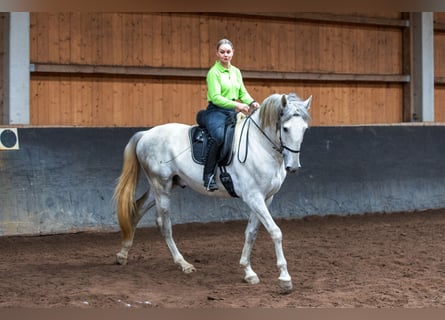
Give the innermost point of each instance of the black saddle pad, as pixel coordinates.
(198, 140)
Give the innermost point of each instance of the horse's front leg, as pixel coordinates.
(251, 232)
(258, 205)
(143, 204)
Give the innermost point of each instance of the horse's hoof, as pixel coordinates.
(285, 286)
(252, 279)
(189, 269)
(121, 259)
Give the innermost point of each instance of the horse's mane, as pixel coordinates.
(271, 109)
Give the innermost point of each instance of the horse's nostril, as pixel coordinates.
(290, 169)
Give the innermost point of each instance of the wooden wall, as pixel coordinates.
(187, 42)
(2, 22)
(439, 68)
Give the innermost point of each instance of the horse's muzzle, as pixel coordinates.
(292, 169)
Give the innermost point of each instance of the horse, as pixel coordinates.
(267, 144)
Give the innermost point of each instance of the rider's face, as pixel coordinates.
(225, 54)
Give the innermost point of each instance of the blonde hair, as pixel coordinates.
(223, 41)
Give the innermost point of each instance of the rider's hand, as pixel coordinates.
(254, 105)
(243, 108)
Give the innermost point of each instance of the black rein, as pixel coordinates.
(275, 147)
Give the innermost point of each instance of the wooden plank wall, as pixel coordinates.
(2, 52)
(439, 68)
(188, 41)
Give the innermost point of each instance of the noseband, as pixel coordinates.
(288, 149)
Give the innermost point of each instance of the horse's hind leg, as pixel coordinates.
(164, 223)
(143, 204)
(251, 232)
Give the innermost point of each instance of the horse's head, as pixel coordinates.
(284, 119)
(294, 120)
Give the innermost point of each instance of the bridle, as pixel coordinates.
(279, 148)
(282, 146)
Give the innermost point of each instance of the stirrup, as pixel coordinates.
(210, 183)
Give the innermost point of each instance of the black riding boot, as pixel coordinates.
(210, 165)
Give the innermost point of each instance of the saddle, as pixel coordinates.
(199, 136)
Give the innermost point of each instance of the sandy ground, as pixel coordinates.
(371, 260)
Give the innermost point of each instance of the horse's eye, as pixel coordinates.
(285, 129)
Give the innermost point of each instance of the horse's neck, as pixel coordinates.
(265, 139)
(270, 132)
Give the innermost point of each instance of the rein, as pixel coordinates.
(277, 148)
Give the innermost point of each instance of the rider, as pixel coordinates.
(226, 95)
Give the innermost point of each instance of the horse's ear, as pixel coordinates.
(283, 101)
(307, 103)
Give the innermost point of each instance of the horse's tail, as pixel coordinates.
(125, 190)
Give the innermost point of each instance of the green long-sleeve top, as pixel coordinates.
(224, 86)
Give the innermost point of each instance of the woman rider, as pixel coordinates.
(226, 95)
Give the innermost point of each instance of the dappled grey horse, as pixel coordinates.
(267, 144)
